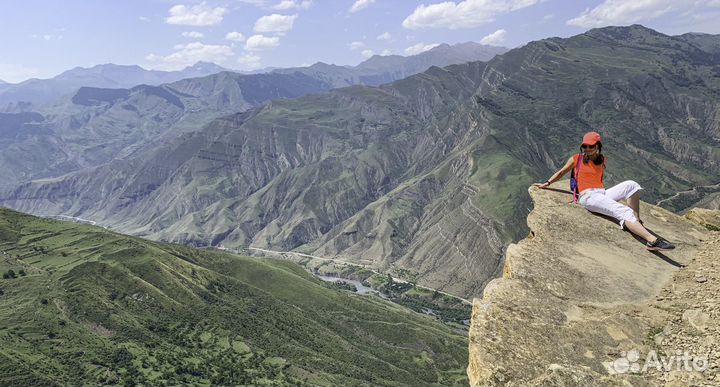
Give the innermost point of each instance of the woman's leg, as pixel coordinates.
(629, 191)
(604, 204)
(640, 230)
(634, 203)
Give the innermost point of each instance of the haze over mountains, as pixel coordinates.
(374, 71)
(42, 91)
(95, 124)
(384, 69)
(426, 175)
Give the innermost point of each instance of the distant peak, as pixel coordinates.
(623, 32)
(204, 66)
(696, 34)
(321, 64)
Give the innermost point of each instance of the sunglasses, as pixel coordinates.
(588, 146)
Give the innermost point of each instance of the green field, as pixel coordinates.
(83, 306)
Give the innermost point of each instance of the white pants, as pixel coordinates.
(605, 201)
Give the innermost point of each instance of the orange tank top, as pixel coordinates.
(590, 175)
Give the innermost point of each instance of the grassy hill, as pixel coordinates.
(81, 305)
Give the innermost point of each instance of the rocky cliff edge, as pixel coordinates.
(582, 302)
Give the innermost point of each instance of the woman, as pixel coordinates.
(595, 198)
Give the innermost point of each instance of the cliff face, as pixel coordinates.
(579, 293)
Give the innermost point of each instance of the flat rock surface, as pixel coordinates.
(579, 298)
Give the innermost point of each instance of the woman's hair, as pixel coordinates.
(599, 159)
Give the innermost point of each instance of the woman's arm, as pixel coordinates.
(560, 173)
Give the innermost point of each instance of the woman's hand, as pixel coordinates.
(554, 178)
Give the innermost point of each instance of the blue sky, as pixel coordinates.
(42, 38)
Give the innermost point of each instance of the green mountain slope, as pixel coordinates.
(81, 305)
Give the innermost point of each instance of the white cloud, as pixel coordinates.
(384, 36)
(275, 23)
(260, 42)
(144, 19)
(47, 37)
(465, 14)
(257, 3)
(420, 48)
(11, 72)
(619, 12)
(235, 36)
(367, 53)
(292, 4)
(189, 54)
(195, 15)
(386, 52)
(360, 4)
(193, 34)
(495, 38)
(285, 4)
(249, 62)
(356, 45)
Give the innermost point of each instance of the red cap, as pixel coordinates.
(590, 138)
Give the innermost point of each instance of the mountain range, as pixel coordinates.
(34, 91)
(374, 71)
(95, 125)
(424, 177)
(388, 68)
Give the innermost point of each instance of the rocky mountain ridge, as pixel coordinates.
(380, 69)
(96, 124)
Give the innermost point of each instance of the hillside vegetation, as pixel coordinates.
(80, 305)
